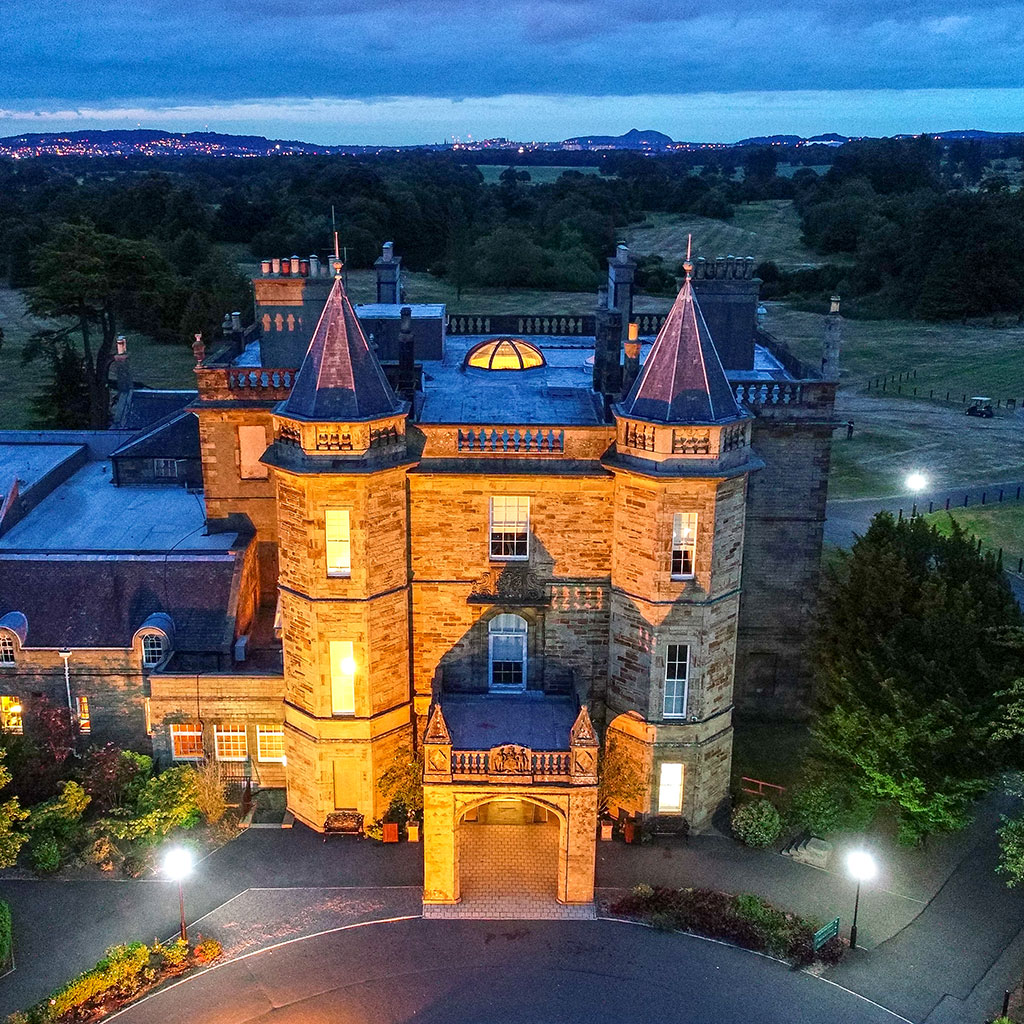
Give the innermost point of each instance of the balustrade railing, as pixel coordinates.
(240, 378)
(517, 439)
(543, 764)
(776, 393)
(553, 324)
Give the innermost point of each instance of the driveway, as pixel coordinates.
(595, 972)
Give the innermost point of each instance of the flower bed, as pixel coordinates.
(123, 975)
(744, 920)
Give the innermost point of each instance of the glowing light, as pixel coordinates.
(861, 865)
(916, 481)
(178, 863)
(348, 666)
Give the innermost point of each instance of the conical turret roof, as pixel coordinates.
(340, 380)
(682, 380)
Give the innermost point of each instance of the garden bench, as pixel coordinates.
(669, 825)
(343, 823)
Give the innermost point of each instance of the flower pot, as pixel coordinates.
(629, 832)
(390, 832)
(412, 832)
(606, 831)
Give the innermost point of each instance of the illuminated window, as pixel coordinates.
(343, 678)
(187, 741)
(270, 743)
(229, 742)
(684, 544)
(676, 672)
(507, 644)
(510, 527)
(504, 354)
(339, 543)
(82, 713)
(152, 649)
(167, 468)
(670, 788)
(6, 649)
(252, 443)
(10, 714)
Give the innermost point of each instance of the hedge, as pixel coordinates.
(6, 938)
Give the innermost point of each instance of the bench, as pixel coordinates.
(343, 823)
(670, 825)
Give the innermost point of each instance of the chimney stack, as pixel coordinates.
(388, 268)
(406, 355)
(621, 269)
(832, 342)
(607, 348)
(123, 371)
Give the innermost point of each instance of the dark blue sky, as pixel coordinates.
(419, 70)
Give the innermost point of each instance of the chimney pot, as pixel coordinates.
(236, 321)
(295, 265)
(388, 251)
(265, 267)
(275, 265)
(634, 332)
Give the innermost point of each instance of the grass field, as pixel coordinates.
(156, 365)
(768, 230)
(538, 175)
(996, 526)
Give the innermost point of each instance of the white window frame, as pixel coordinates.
(507, 629)
(671, 775)
(343, 677)
(339, 547)
(191, 730)
(504, 523)
(263, 732)
(231, 733)
(673, 681)
(8, 650)
(83, 714)
(684, 545)
(11, 713)
(160, 467)
(147, 658)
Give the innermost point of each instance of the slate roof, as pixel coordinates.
(175, 437)
(340, 380)
(682, 380)
(100, 601)
(479, 722)
(146, 406)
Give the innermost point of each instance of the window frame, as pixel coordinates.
(12, 720)
(191, 730)
(230, 731)
(263, 731)
(679, 546)
(83, 714)
(493, 633)
(8, 650)
(672, 785)
(343, 571)
(164, 464)
(493, 544)
(162, 640)
(343, 684)
(671, 661)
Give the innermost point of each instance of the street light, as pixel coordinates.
(916, 482)
(177, 867)
(862, 868)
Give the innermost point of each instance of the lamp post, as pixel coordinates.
(862, 868)
(177, 866)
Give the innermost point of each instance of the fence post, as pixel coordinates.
(931, 392)
(1000, 494)
(947, 504)
(913, 511)
(915, 374)
(966, 496)
(899, 389)
(930, 508)
(899, 518)
(947, 396)
(983, 497)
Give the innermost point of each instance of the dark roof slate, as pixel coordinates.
(340, 380)
(146, 406)
(177, 437)
(682, 380)
(79, 601)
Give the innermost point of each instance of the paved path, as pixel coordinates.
(595, 972)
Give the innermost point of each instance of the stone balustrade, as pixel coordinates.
(768, 397)
(502, 440)
(538, 766)
(242, 378)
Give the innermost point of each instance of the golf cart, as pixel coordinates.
(980, 406)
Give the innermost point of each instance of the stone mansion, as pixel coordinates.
(505, 542)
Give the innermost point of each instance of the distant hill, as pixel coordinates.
(633, 139)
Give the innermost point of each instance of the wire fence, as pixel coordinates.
(905, 383)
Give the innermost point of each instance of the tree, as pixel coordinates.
(401, 784)
(918, 645)
(102, 284)
(11, 815)
(620, 780)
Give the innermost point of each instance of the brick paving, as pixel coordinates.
(509, 872)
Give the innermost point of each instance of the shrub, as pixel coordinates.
(174, 955)
(46, 855)
(104, 854)
(6, 939)
(210, 793)
(167, 801)
(119, 972)
(825, 806)
(207, 951)
(757, 824)
(114, 777)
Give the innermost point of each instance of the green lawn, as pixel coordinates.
(768, 230)
(538, 175)
(996, 526)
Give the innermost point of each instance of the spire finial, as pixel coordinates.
(688, 265)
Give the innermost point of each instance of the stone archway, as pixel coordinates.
(508, 853)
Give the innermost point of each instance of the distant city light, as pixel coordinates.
(916, 481)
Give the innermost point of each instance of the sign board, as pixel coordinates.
(822, 935)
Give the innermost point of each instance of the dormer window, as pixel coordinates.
(6, 649)
(154, 646)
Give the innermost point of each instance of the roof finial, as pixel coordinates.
(688, 265)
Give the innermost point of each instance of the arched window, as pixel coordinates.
(6, 649)
(153, 647)
(507, 652)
